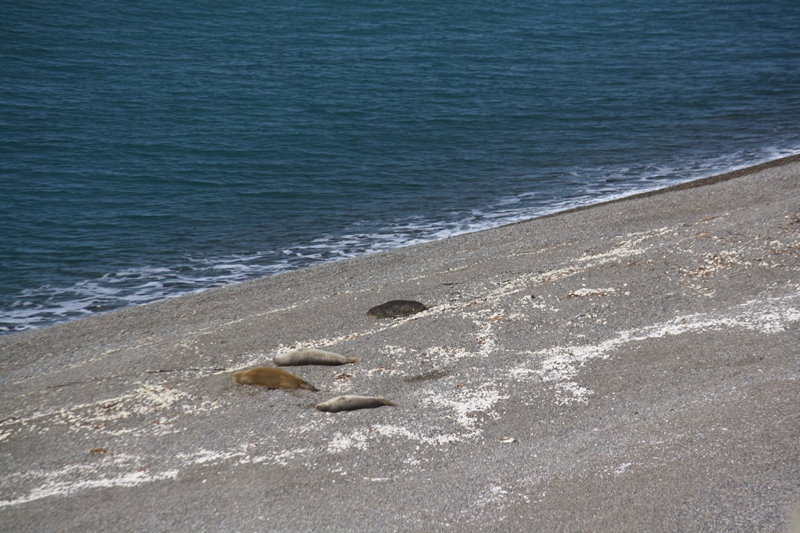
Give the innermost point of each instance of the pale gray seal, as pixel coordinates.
(351, 403)
(310, 356)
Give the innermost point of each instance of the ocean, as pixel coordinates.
(153, 149)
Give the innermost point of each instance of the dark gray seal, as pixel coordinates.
(395, 308)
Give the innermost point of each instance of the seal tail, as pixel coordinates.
(354, 359)
(308, 386)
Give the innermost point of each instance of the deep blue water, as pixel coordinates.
(149, 149)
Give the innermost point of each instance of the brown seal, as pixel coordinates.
(310, 356)
(351, 403)
(396, 308)
(272, 378)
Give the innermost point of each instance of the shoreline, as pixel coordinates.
(693, 183)
(575, 370)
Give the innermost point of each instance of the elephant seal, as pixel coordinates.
(396, 308)
(351, 403)
(310, 356)
(272, 378)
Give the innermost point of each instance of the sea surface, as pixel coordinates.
(152, 149)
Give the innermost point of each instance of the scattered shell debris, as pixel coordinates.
(580, 293)
(460, 401)
(38, 484)
(560, 365)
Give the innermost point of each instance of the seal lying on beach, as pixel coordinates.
(310, 356)
(396, 308)
(351, 403)
(272, 378)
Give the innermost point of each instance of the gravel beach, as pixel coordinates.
(631, 366)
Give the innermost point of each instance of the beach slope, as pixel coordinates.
(632, 366)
